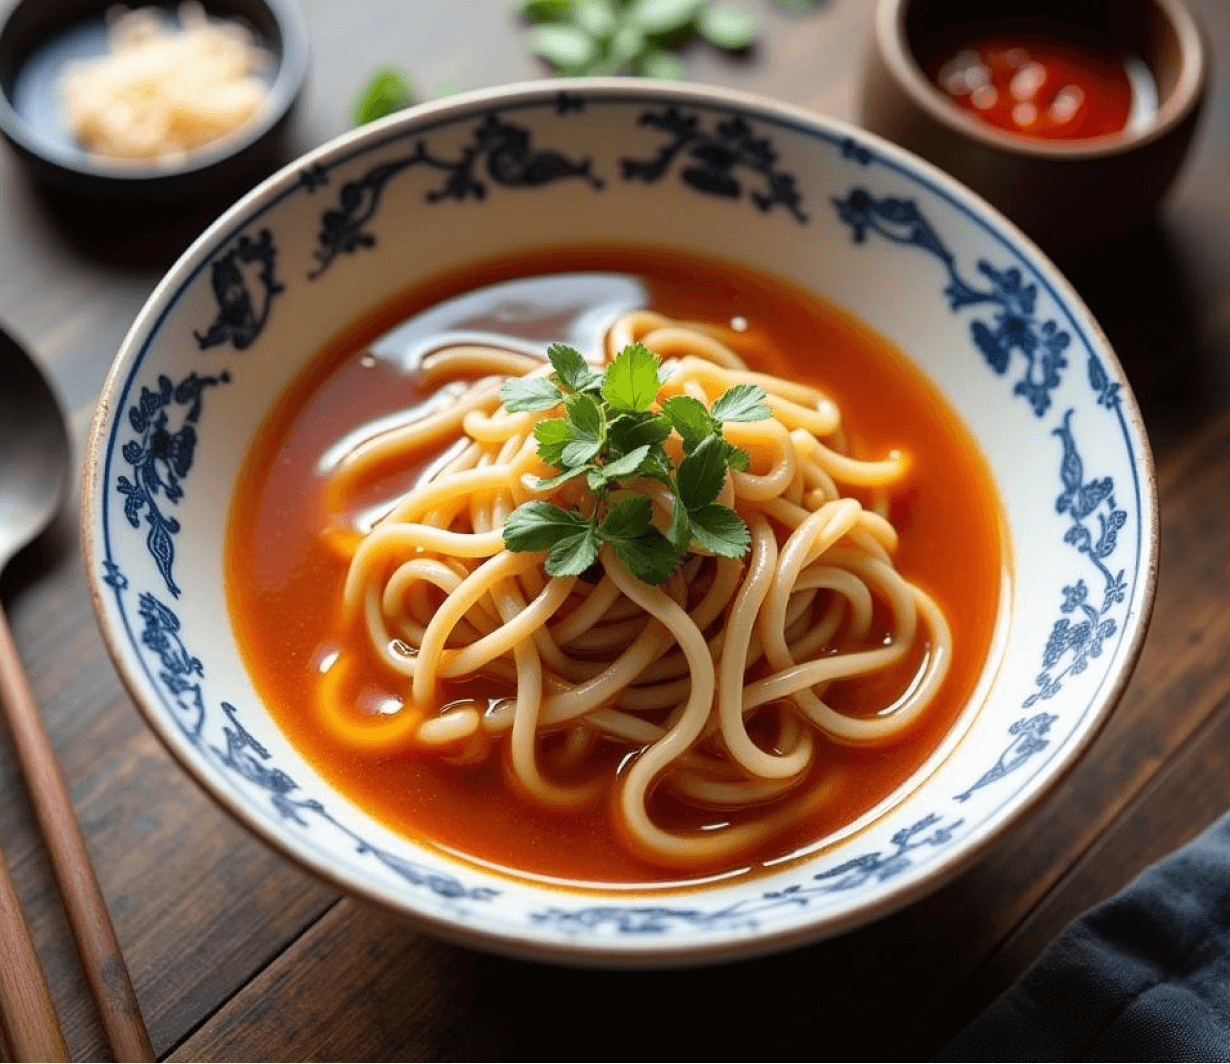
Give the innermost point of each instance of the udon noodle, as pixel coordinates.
(714, 683)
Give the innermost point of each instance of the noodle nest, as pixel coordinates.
(714, 683)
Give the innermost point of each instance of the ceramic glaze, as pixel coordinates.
(716, 174)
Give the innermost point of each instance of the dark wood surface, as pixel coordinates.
(237, 955)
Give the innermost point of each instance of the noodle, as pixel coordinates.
(714, 682)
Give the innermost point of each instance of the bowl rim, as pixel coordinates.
(283, 91)
(891, 40)
(616, 953)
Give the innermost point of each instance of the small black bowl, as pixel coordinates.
(38, 37)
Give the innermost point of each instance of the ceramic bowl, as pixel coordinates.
(718, 174)
(38, 38)
(1064, 194)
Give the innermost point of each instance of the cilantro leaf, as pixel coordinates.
(529, 395)
(587, 426)
(609, 435)
(552, 436)
(720, 530)
(680, 531)
(690, 419)
(628, 519)
(743, 402)
(578, 452)
(657, 465)
(632, 379)
(650, 557)
(561, 478)
(626, 466)
(573, 554)
(627, 432)
(572, 368)
(585, 417)
(539, 525)
(737, 458)
(702, 473)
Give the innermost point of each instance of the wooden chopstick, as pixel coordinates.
(25, 1002)
(70, 860)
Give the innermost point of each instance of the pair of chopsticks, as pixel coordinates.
(25, 1004)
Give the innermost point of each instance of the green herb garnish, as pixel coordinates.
(591, 37)
(610, 435)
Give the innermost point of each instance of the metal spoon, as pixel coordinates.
(34, 464)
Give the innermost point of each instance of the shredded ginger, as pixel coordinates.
(165, 89)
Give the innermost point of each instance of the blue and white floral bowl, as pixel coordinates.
(589, 162)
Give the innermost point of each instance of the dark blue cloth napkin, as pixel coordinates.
(1143, 976)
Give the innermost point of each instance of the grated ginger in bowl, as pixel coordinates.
(165, 89)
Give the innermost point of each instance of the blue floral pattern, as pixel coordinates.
(745, 914)
(714, 158)
(242, 315)
(1083, 630)
(511, 159)
(1028, 738)
(1015, 329)
(160, 460)
(182, 674)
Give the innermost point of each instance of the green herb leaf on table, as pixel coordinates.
(592, 37)
(545, 10)
(568, 48)
(598, 18)
(659, 17)
(728, 26)
(664, 66)
(388, 90)
(628, 47)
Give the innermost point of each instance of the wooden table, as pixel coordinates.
(237, 955)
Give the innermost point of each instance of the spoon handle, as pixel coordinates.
(25, 1002)
(87, 912)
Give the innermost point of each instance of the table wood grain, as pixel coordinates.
(237, 955)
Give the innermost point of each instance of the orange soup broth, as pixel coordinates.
(284, 580)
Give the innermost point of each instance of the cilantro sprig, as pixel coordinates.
(610, 434)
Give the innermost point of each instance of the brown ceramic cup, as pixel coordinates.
(1065, 194)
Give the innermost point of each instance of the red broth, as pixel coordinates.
(1039, 87)
(283, 580)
